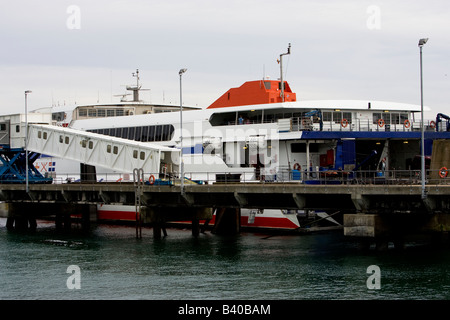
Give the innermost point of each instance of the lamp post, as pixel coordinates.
(26, 141)
(181, 134)
(423, 172)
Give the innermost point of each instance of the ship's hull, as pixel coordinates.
(253, 219)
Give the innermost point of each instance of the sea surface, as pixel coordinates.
(108, 262)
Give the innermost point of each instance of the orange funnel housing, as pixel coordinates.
(255, 92)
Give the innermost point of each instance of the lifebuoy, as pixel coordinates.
(432, 124)
(443, 172)
(344, 123)
(151, 180)
(407, 123)
(381, 123)
(118, 180)
(297, 166)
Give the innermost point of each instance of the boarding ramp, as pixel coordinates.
(114, 153)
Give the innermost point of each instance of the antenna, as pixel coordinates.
(136, 74)
(135, 89)
(281, 71)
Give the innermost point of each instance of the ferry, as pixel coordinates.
(257, 133)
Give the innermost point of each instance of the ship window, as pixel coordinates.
(61, 140)
(82, 112)
(403, 117)
(92, 113)
(58, 116)
(91, 144)
(386, 117)
(17, 128)
(125, 133)
(117, 133)
(326, 116)
(142, 155)
(108, 148)
(267, 85)
(138, 134)
(171, 130)
(39, 134)
(376, 117)
(83, 143)
(119, 112)
(66, 140)
(165, 135)
(337, 116)
(135, 154)
(144, 134)
(151, 133)
(131, 133)
(158, 133)
(101, 113)
(348, 116)
(115, 150)
(395, 118)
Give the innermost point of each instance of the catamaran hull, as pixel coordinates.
(270, 219)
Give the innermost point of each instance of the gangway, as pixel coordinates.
(95, 149)
(116, 154)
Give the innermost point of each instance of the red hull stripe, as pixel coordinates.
(260, 222)
(116, 215)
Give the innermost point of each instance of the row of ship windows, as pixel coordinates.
(104, 112)
(388, 117)
(90, 144)
(143, 134)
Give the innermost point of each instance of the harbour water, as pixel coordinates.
(113, 264)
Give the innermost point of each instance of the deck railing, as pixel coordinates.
(360, 177)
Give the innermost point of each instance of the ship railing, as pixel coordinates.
(262, 176)
(302, 124)
(363, 177)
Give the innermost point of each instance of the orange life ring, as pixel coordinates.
(297, 167)
(443, 172)
(151, 179)
(381, 122)
(118, 180)
(432, 124)
(344, 123)
(407, 123)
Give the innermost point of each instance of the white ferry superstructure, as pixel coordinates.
(253, 134)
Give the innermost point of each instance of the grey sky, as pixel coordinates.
(340, 49)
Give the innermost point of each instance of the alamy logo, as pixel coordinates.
(74, 19)
(374, 19)
(74, 281)
(374, 280)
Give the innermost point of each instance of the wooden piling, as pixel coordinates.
(228, 221)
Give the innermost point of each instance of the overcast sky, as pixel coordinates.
(85, 51)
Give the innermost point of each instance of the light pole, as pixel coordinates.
(181, 134)
(26, 140)
(423, 172)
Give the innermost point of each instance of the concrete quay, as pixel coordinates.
(369, 211)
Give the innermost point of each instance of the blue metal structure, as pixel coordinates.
(13, 166)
